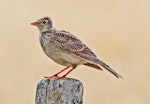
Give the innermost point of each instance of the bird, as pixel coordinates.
(67, 49)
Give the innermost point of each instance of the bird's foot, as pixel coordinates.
(56, 77)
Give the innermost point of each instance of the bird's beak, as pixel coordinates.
(36, 24)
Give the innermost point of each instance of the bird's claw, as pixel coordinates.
(56, 77)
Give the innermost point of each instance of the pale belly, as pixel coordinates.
(62, 58)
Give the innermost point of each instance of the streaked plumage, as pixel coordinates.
(66, 49)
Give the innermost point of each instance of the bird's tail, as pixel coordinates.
(104, 65)
(92, 61)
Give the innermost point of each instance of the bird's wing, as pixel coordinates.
(70, 43)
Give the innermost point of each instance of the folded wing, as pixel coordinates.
(71, 44)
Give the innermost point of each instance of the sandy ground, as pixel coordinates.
(118, 31)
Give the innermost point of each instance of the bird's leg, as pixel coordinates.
(56, 75)
(69, 71)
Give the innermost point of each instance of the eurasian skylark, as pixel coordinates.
(66, 49)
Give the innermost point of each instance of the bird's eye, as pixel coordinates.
(44, 22)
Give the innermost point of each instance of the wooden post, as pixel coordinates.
(61, 91)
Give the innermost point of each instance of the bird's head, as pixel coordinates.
(43, 24)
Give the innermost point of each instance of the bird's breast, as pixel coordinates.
(57, 55)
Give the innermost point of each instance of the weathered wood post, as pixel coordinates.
(61, 91)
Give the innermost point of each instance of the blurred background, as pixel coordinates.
(118, 31)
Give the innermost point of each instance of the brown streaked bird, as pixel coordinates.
(66, 49)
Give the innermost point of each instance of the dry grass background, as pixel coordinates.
(117, 30)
